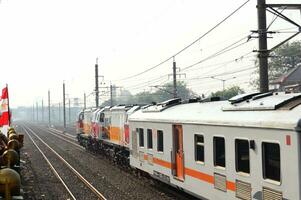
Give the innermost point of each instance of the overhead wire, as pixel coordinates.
(189, 45)
(224, 50)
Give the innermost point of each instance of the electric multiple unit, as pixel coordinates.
(244, 148)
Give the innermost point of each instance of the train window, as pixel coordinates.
(242, 156)
(149, 138)
(271, 161)
(141, 137)
(199, 147)
(219, 151)
(102, 116)
(160, 140)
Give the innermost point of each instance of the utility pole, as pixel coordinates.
(96, 84)
(174, 78)
(111, 94)
(84, 101)
(49, 121)
(64, 106)
(263, 52)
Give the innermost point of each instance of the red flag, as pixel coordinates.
(4, 119)
(4, 93)
(4, 109)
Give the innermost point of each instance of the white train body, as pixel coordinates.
(248, 149)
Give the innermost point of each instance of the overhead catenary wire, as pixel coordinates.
(189, 45)
(143, 84)
(220, 52)
(224, 50)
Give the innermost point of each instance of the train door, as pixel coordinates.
(178, 153)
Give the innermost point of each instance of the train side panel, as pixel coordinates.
(203, 176)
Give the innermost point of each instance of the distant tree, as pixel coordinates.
(166, 92)
(282, 59)
(228, 93)
(162, 93)
(144, 98)
(125, 97)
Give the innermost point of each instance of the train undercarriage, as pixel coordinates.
(119, 155)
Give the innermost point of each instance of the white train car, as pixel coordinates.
(244, 148)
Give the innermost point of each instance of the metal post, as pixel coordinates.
(49, 120)
(64, 106)
(174, 79)
(84, 101)
(96, 84)
(263, 47)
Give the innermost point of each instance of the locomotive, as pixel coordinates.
(245, 148)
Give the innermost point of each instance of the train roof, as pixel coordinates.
(268, 110)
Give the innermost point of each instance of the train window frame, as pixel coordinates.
(236, 157)
(196, 144)
(160, 142)
(263, 149)
(149, 133)
(140, 132)
(101, 117)
(214, 152)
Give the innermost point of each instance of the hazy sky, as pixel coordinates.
(43, 42)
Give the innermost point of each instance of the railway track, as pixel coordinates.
(97, 195)
(156, 185)
(123, 190)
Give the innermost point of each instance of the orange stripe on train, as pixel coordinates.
(193, 173)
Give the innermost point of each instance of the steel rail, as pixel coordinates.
(87, 183)
(67, 135)
(61, 136)
(50, 165)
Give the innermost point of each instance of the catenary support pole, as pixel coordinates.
(96, 85)
(64, 105)
(174, 69)
(263, 52)
(49, 120)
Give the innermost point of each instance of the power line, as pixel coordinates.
(186, 47)
(224, 50)
(224, 74)
(143, 84)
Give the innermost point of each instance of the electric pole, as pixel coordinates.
(111, 94)
(49, 108)
(64, 106)
(263, 52)
(174, 68)
(96, 84)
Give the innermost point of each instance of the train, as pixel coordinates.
(247, 147)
